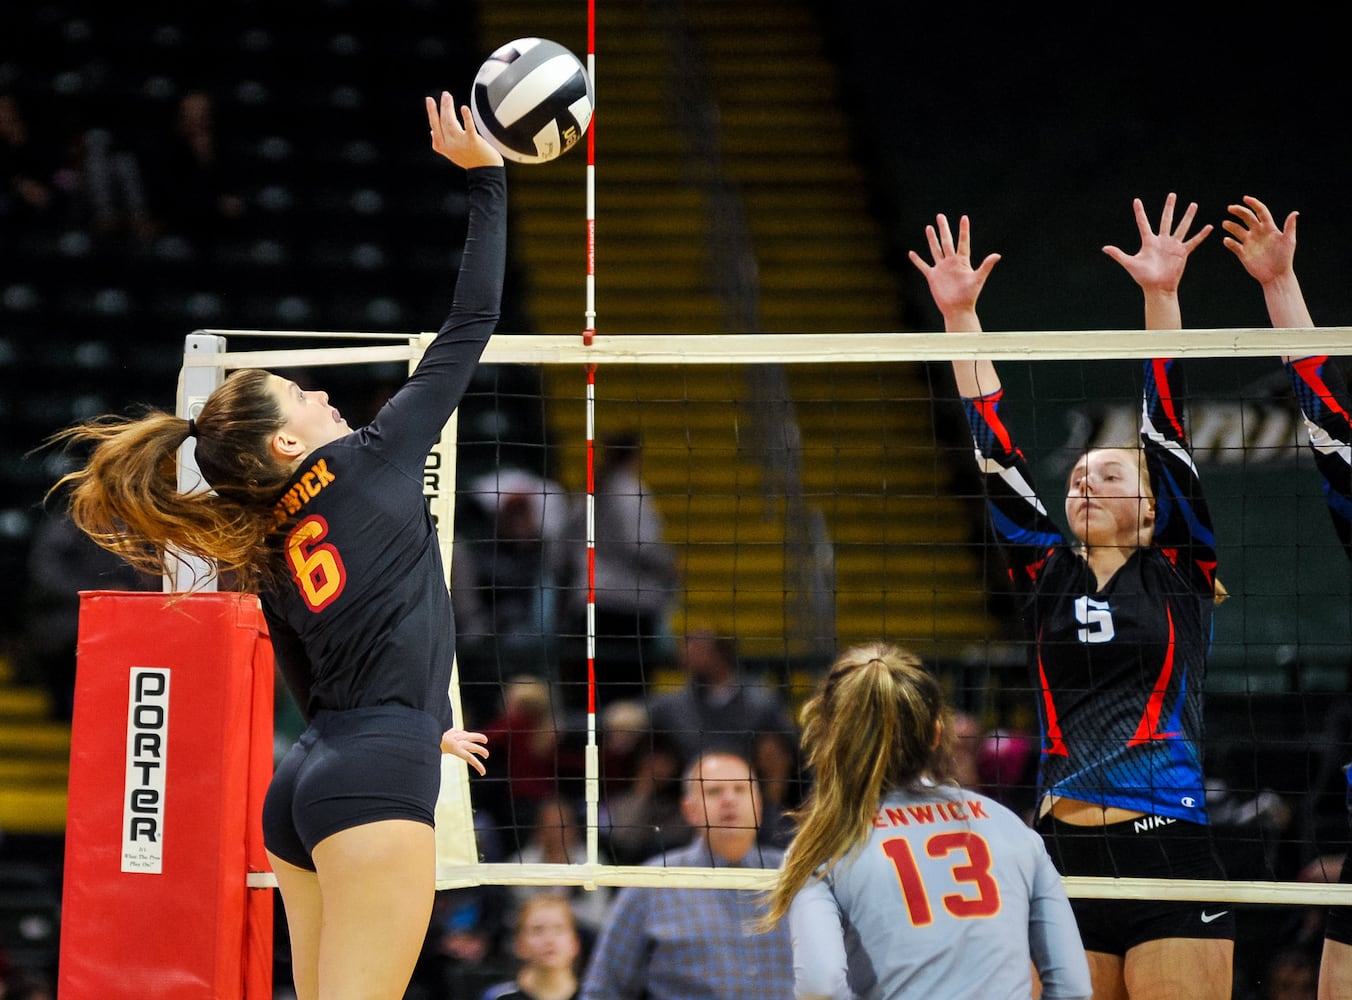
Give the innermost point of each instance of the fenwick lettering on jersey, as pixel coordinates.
(306, 488)
(958, 811)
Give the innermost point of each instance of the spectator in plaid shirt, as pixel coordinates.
(687, 944)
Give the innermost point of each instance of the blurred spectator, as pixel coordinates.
(635, 573)
(624, 735)
(1305, 926)
(557, 839)
(463, 951)
(99, 184)
(775, 759)
(463, 954)
(718, 708)
(698, 943)
(507, 575)
(546, 943)
(1292, 974)
(647, 819)
(194, 188)
(488, 837)
(27, 984)
(24, 171)
(1251, 826)
(1007, 768)
(531, 757)
(967, 744)
(62, 561)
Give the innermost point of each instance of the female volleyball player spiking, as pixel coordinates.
(330, 527)
(944, 892)
(1268, 253)
(1120, 615)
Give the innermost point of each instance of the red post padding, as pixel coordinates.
(171, 753)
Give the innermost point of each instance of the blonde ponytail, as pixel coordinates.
(869, 728)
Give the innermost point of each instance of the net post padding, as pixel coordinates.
(171, 753)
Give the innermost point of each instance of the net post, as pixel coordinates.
(454, 818)
(195, 384)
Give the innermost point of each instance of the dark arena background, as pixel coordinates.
(760, 167)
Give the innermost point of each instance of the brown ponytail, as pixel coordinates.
(126, 496)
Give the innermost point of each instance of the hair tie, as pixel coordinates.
(192, 428)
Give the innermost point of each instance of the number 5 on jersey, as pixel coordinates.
(976, 873)
(1097, 619)
(315, 564)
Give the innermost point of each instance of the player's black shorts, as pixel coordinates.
(349, 768)
(1150, 847)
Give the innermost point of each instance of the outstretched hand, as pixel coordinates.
(1266, 252)
(456, 138)
(953, 282)
(1158, 265)
(469, 747)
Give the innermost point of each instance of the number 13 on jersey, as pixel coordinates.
(978, 895)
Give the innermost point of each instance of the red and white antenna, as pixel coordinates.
(593, 783)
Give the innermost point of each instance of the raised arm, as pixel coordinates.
(1182, 519)
(1158, 266)
(955, 286)
(1019, 518)
(1268, 253)
(1182, 522)
(408, 425)
(1324, 403)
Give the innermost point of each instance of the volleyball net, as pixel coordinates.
(814, 492)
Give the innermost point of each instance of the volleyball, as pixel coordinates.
(532, 99)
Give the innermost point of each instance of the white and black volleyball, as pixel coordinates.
(532, 100)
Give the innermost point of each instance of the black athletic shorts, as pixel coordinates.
(349, 768)
(1150, 847)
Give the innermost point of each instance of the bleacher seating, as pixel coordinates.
(348, 222)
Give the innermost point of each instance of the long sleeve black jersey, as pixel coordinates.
(1120, 670)
(364, 617)
(1324, 403)
(1322, 394)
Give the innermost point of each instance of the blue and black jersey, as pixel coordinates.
(365, 618)
(1321, 392)
(1324, 403)
(1120, 670)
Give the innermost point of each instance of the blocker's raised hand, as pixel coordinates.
(1266, 252)
(456, 138)
(1158, 265)
(953, 282)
